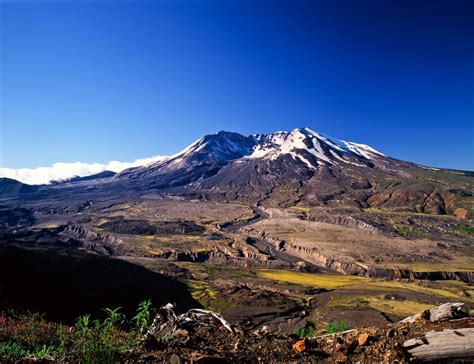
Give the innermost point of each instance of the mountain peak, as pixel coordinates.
(303, 145)
(312, 148)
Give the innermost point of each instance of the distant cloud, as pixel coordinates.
(60, 171)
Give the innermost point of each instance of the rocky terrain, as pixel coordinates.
(443, 333)
(283, 231)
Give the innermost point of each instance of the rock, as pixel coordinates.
(182, 333)
(261, 331)
(390, 356)
(460, 212)
(305, 345)
(341, 358)
(300, 346)
(448, 311)
(363, 339)
(175, 359)
(394, 297)
(390, 333)
(236, 345)
(343, 346)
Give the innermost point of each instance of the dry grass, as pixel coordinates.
(398, 308)
(446, 289)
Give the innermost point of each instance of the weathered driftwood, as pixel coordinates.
(442, 345)
(448, 311)
(167, 323)
(444, 312)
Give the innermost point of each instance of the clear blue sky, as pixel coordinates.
(98, 81)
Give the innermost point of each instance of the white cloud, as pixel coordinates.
(60, 171)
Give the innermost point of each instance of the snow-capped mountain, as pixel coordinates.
(303, 144)
(255, 165)
(202, 158)
(286, 168)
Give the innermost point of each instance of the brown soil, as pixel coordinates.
(206, 345)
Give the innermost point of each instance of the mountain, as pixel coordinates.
(285, 168)
(202, 159)
(248, 225)
(100, 175)
(303, 166)
(12, 187)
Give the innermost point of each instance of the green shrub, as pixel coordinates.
(89, 341)
(332, 328)
(464, 229)
(410, 231)
(12, 350)
(307, 331)
(142, 319)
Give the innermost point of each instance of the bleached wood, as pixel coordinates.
(443, 345)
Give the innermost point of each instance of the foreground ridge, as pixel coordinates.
(443, 333)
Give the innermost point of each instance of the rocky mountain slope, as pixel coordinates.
(11, 187)
(299, 167)
(304, 166)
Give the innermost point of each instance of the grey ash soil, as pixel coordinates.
(248, 237)
(142, 227)
(159, 231)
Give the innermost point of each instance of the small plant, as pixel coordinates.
(410, 231)
(114, 318)
(30, 336)
(169, 338)
(307, 331)
(63, 336)
(142, 318)
(82, 323)
(12, 350)
(44, 352)
(464, 229)
(332, 328)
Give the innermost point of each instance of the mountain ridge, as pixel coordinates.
(285, 168)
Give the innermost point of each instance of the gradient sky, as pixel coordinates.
(98, 81)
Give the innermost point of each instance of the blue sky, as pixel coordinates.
(99, 81)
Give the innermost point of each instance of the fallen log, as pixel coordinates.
(448, 311)
(442, 345)
(444, 312)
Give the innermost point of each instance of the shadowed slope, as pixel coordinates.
(67, 283)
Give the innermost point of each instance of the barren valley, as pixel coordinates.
(273, 244)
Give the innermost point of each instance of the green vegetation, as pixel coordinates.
(447, 289)
(464, 229)
(403, 308)
(207, 296)
(333, 328)
(29, 336)
(142, 319)
(12, 350)
(409, 231)
(307, 331)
